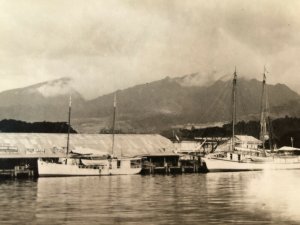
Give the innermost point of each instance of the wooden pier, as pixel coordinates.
(25, 165)
(167, 164)
(18, 171)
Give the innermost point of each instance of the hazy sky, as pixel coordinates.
(106, 45)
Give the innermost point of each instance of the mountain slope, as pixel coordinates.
(165, 103)
(148, 107)
(43, 101)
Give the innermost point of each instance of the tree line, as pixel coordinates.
(283, 131)
(17, 126)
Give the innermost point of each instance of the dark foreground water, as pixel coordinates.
(213, 198)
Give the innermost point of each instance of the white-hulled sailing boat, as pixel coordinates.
(88, 165)
(67, 166)
(247, 158)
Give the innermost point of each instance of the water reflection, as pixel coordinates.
(18, 201)
(214, 198)
(276, 193)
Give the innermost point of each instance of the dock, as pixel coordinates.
(17, 172)
(171, 163)
(19, 152)
(21, 164)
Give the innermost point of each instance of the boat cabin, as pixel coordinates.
(126, 163)
(246, 147)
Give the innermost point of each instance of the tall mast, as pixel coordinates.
(269, 122)
(263, 122)
(233, 107)
(113, 125)
(69, 128)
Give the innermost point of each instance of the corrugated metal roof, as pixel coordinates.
(128, 144)
(248, 139)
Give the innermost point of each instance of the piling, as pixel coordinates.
(18, 171)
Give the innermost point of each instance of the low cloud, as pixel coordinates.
(109, 45)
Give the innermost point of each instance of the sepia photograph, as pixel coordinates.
(149, 112)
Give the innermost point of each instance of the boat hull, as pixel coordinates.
(224, 165)
(49, 169)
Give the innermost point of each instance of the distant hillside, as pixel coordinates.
(166, 103)
(150, 107)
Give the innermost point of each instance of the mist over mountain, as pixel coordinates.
(170, 102)
(148, 107)
(39, 102)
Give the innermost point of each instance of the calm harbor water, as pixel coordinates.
(213, 198)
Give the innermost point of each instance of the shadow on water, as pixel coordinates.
(213, 198)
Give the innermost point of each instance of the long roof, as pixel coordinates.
(128, 144)
(248, 139)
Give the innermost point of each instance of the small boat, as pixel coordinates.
(249, 157)
(84, 166)
(70, 167)
(236, 161)
(88, 164)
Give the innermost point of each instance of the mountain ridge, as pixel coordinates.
(149, 107)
